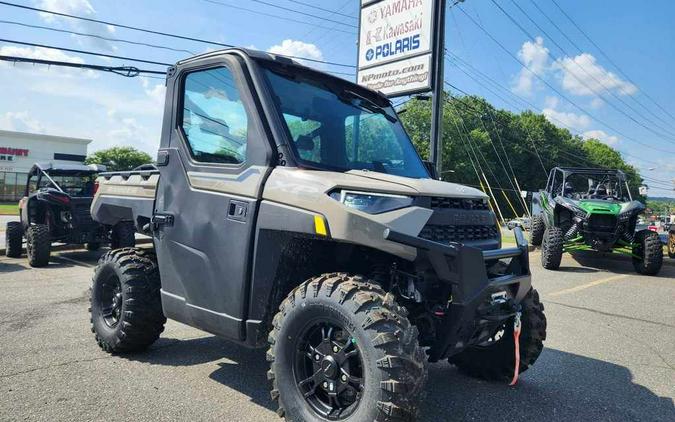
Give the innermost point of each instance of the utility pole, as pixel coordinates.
(435, 144)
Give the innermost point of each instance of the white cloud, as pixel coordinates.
(601, 136)
(535, 57)
(81, 8)
(20, 121)
(567, 119)
(583, 76)
(597, 102)
(298, 49)
(155, 92)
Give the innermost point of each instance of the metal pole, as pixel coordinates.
(435, 144)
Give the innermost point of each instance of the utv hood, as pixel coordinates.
(600, 207)
(426, 187)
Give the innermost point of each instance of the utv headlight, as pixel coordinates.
(372, 203)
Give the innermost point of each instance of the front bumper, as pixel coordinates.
(481, 300)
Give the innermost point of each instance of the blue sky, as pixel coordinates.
(113, 110)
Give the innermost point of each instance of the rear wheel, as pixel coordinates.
(552, 248)
(537, 229)
(648, 252)
(13, 239)
(341, 348)
(495, 360)
(38, 245)
(123, 235)
(125, 303)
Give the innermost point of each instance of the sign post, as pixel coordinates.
(435, 143)
(401, 52)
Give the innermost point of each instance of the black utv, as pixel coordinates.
(583, 209)
(55, 209)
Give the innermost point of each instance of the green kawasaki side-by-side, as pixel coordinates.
(591, 209)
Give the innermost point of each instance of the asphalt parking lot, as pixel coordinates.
(610, 356)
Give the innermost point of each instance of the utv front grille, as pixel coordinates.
(601, 223)
(447, 234)
(439, 202)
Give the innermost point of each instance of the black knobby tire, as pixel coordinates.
(671, 243)
(537, 230)
(647, 246)
(496, 362)
(13, 239)
(394, 366)
(93, 246)
(552, 248)
(38, 245)
(123, 235)
(131, 275)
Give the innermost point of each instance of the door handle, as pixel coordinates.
(159, 220)
(237, 210)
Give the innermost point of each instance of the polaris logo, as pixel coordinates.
(394, 48)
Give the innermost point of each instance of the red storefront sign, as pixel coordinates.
(20, 152)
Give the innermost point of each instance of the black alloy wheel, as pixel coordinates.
(329, 370)
(111, 301)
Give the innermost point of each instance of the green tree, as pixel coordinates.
(119, 158)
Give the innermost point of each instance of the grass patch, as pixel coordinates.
(9, 209)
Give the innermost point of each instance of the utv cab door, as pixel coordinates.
(213, 159)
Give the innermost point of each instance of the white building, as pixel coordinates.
(20, 150)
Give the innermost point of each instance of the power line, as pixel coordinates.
(333, 12)
(580, 80)
(544, 81)
(288, 9)
(127, 71)
(258, 12)
(100, 37)
(165, 34)
(609, 59)
(571, 41)
(518, 97)
(72, 50)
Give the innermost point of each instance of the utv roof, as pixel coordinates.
(49, 166)
(590, 170)
(274, 58)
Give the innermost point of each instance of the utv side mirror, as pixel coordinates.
(431, 168)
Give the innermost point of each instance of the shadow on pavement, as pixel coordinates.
(560, 386)
(10, 267)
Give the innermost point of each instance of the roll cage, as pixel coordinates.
(559, 176)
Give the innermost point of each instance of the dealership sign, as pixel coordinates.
(396, 45)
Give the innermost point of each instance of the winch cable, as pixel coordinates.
(516, 342)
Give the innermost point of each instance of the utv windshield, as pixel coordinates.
(74, 184)
(334, 126)
(604, 186)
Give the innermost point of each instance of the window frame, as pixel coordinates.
(181, 111)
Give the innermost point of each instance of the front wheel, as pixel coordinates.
(552, 248)
(647, 252)
(38, 245)
(341, 348)
(495, 360)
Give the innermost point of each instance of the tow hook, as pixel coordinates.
(516, 341)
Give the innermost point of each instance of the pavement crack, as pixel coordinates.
(582, 308)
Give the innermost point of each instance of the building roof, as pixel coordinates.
(39, 136)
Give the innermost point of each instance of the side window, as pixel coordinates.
(215, 122)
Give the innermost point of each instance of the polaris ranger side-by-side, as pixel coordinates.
(291, 210)
(56, 208)
(591, 209)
